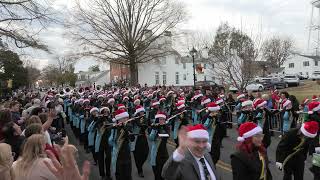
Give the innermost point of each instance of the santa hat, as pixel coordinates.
(180, 105)
(104, 108)
(170, 92)
(205, 100)
(125, 97)
(162, 98)
(314, 98)
(246, 103)
(154, 103)
(286, 103)
(136, 96)
(313, 107)
(139, 109)
(310, 129)
(197, 95)
(161, 115)
(248, 129)
(120, 114)
(94, 109)
(240, 96)
(181, 100)
(100, 96)
(149, 96)
(86, 101)
(221, 95)
(219, 101)
(121, 106)
(259, 103)
(80, 100)
(213, 107)
(197, 131)
(306, 100)
(111, 100)
(109, 96)
(136, 102)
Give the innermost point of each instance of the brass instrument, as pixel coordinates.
(172, 117)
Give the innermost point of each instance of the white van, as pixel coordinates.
(315, 75)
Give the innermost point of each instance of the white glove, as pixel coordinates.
(317, 149)
(279, 165)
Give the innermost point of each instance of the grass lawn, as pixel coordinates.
(305, 90)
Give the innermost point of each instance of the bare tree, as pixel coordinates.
(22, 20)
(233, 56)
(277, 50)
(124, 31)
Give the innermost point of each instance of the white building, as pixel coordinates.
(303, 65)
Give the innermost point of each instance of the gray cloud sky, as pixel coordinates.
(270, 17)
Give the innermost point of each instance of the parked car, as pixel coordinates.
(315, 75)
(292, 80)
(210, 85)
(274, 83)
(252, 86)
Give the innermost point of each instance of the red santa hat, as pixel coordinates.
(162, 98)
(100, 96)
(136, 102)
(197, 95)
(197, 131)
(149, 96)
(136, 96)
(219, 101)
(259, 103)
(139, 109)
(111, 100)
(94, 109)
(221, 95)
(86, 101)
(170, 92)
(120, 114)
(314, 98)
(310, 129)
(205, 100)
(213, 107)
(313, 107)
(286, 104)
(181, 100)
(241, 95)
(121, 106)
(154, 103)
(104, 108)
(246, 103)
(306, 100)
(125, 97)
(248, 129)
(180, 105)
(161, 115)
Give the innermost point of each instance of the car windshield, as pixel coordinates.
(316, 73)
(266, 80)
(289, 77)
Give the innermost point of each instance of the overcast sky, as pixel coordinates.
(266, 17)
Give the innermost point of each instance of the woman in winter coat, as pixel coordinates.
(250, 161)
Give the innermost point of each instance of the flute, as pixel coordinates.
(168, 120)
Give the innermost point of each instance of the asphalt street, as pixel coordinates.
(223, 167)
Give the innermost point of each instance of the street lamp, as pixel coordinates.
(193, 52)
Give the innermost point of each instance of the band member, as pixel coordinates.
(202, 113)
(286, 106)
(119, 140)
(104, 153)
(179, 120)
(84, 123)
(246, 112)
(92, 132)
(292, 150)
(158, 139)
(140, 146)
(196, 106)
(250, 161)
(169, 102)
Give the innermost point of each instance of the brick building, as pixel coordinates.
(119, 72)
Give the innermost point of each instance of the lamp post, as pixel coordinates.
(193, 52)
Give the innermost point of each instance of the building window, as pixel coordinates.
(164, 78)
(307, 73)
(205, 78)
(291, 65)
(157, 78)
(316, 63)
(184, 77)
(213, 79)
(204, 66)
(306, 63)
(184, 66)
(177, 77)
(212, 66)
